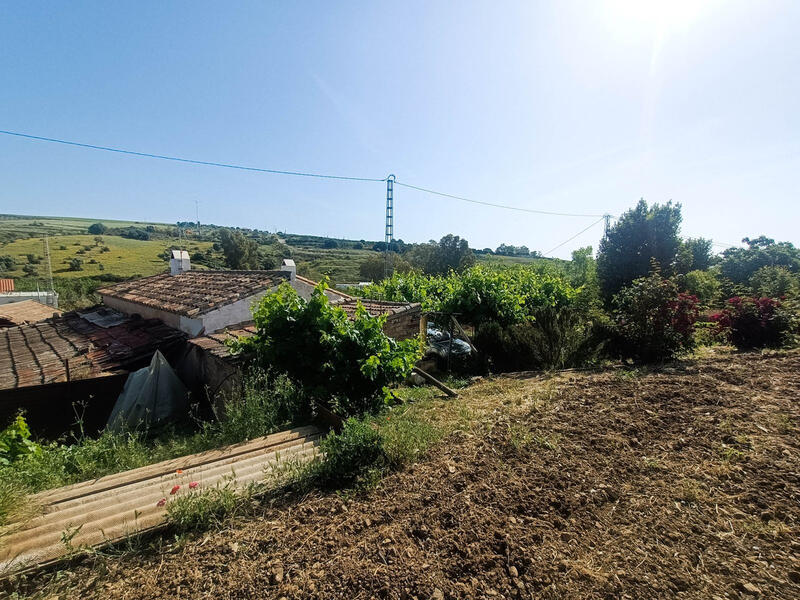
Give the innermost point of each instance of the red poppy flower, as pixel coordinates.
(161, 502)
(174, 489)
(193, 485)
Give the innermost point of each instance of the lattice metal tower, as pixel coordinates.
(389, 222)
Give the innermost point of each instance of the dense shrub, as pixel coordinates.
(702, 284)
(656, 321)
(134, 233)
(75, 264)
(97, 229)
(347, 364)
(351, 455)
(756, 322)
(480, 294)
(555, 339)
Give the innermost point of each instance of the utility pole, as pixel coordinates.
(389, 234)
(197, 209)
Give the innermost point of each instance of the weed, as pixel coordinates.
(730, 454)
(208, 508)
(785, 424)
(352, 455)
(690, 491)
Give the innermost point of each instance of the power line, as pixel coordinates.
(505, 206)
(187, 160)
(582, 231)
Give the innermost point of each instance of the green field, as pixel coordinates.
(124, 257)
(14, 226)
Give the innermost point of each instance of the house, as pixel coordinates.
(78, 358)
(24, 312)
(9, 296)
(50, 366)
(209, 369)
(203, 302)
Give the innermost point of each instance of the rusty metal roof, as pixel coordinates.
(26, 311)
(193, 293)
(41, 353)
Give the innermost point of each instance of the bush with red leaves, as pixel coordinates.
(656, 322)
(749, 323)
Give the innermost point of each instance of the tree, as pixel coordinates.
(98, 240)
(694, 254)
(642, 234)
(376, 265)
(740, 264)
(75, 264)
(240, 252)
(451, 253)
(7, 263)
(97, 229)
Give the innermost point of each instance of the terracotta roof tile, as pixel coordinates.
(27, 311)
(36, 354)
(194, 292)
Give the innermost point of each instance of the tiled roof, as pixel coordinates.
(376, 307)
(194, 292)
(38, 353)
(216, 343)
(27, 311)
(332, 293)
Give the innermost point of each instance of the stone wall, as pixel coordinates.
(404, 325)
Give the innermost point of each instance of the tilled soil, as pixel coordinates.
(678, 483)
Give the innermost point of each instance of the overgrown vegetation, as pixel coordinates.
(346, 364)
(654, 319)
(269, 402)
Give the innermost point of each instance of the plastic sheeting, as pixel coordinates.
(151, 396)
(439, 342)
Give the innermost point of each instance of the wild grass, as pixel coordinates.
(268, 404)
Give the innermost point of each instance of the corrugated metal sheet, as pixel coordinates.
(108, 509)
(6, 285)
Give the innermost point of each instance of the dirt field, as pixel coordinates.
(679, 483)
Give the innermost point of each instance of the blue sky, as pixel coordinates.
(565, 106)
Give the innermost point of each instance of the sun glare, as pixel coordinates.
(660, 15)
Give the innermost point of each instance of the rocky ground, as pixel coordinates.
(683, 482)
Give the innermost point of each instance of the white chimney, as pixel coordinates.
(179, 263)
(288, 265)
